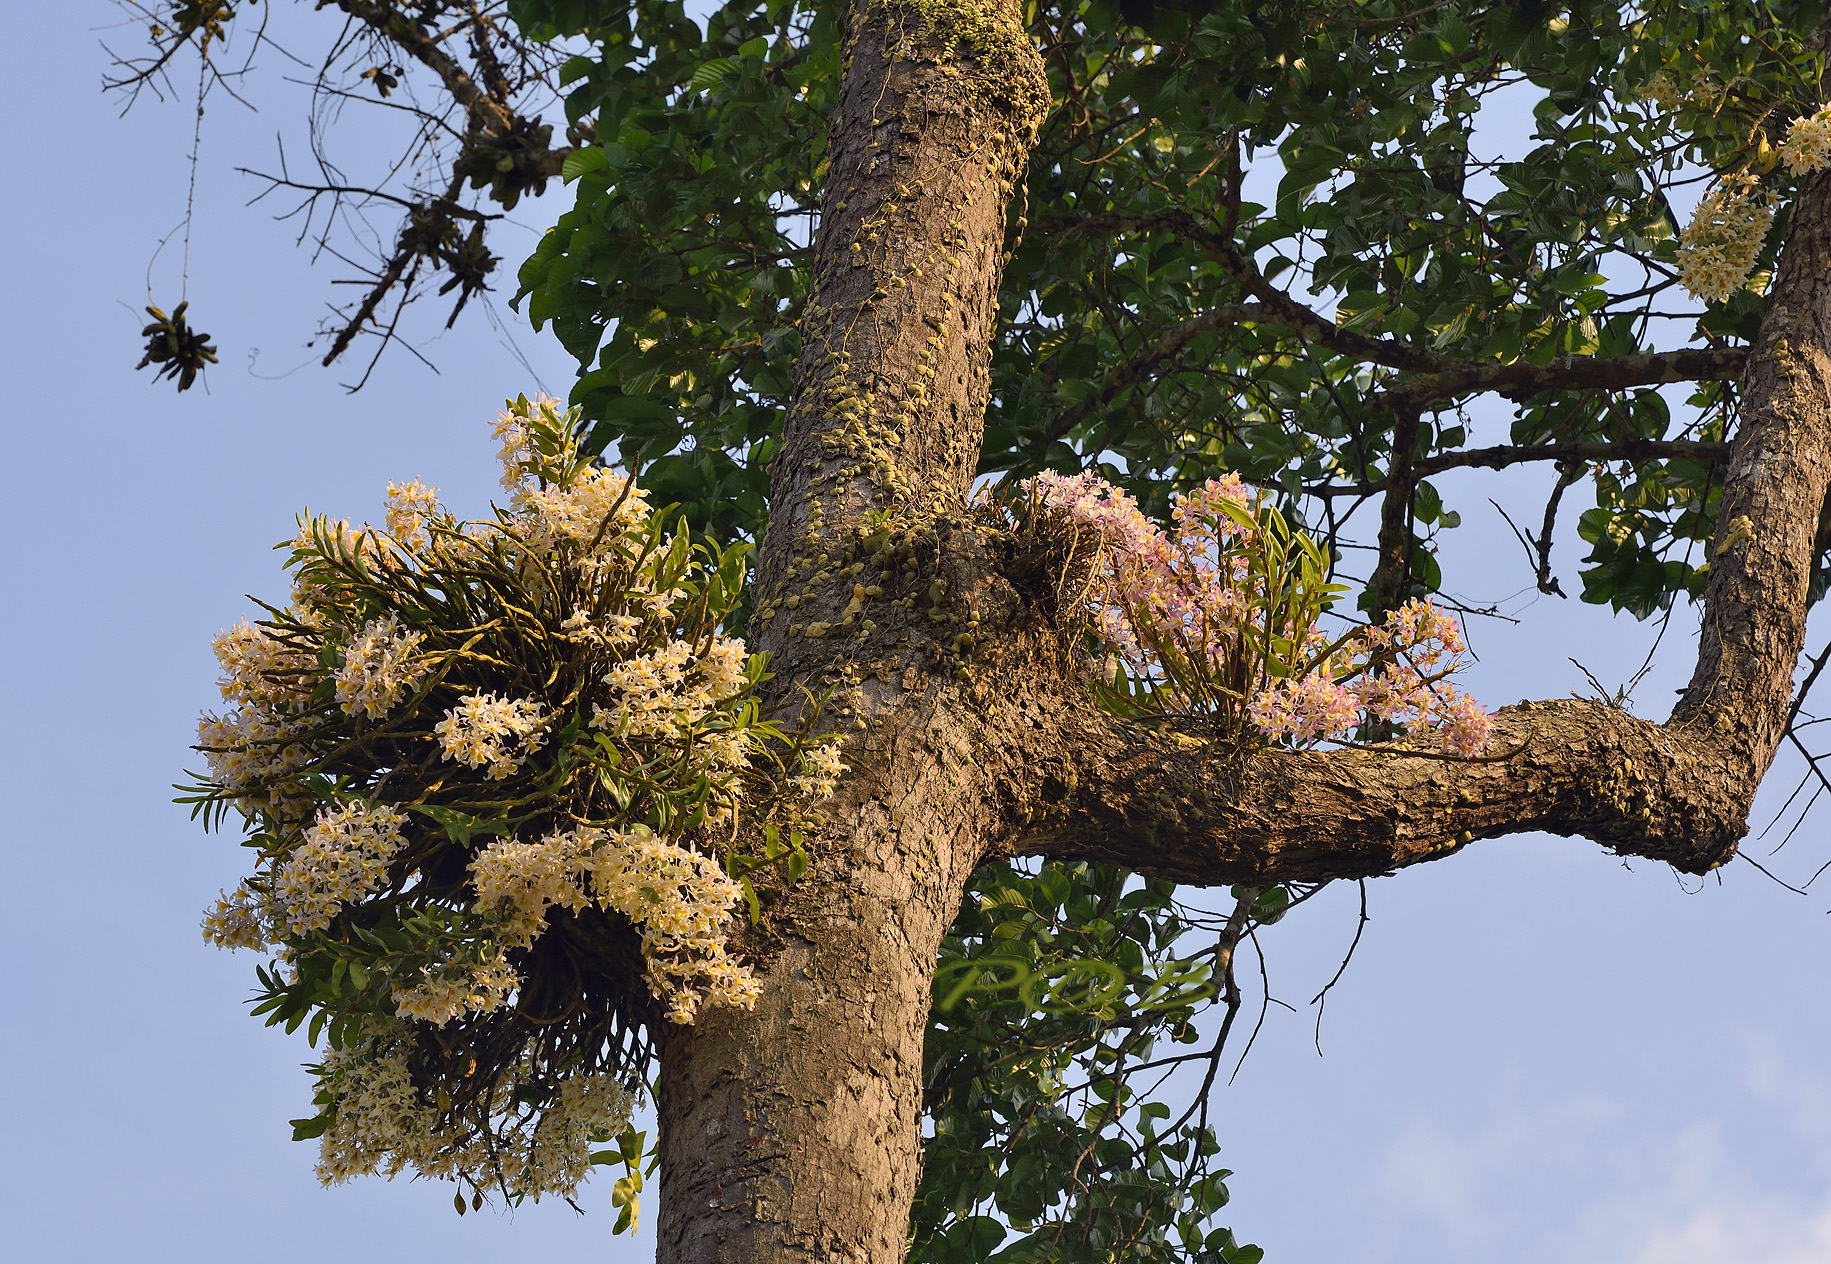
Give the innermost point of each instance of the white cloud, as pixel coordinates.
(1591, 1178)
(1745, 1233)
(1797, 1095)
(1740, 1220)
(1476, 1191)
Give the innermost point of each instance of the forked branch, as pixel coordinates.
(1176, 807)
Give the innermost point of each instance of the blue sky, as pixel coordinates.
(1539, 1054)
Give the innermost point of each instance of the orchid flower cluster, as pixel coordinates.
(1718, 249)
(467, 754)
(1218, 619)
(386, 1124)
(1807, 147)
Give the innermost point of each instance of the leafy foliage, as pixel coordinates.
(1267, 236)
(1231, 154)
(677, 278)
(1055, 990)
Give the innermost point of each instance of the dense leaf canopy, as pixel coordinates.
(1256, 236)
(1270, 236)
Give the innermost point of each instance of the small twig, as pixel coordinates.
(1803, 813)
(1538, 551)
(1764, 869)
(1321, 999)
(1607, 699)
(1824, 783)
(1568, 473)
(1524, 539)
(1805, 686)
(1266, 1002)
(1490, 611)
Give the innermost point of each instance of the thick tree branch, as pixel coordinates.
(1391, 578)
(779, 1143)
(1678, 792)
(1572, 373)
(1175, 808)
(893, 379)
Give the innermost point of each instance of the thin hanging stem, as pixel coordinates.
(190, 196)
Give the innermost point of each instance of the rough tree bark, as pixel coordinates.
(791, 1133)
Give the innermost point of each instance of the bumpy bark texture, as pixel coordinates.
(791, 1133)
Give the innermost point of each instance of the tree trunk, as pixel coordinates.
(792, 1132)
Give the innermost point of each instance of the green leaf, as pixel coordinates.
(581, 161)
(459, 826)
(625, 1195)
(312, 1128)
(712, 74)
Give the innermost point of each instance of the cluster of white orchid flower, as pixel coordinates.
(1718, 249)
(1217, 619)
(385, 1124)
(456, 728)
(679, 899)
(495, 734)
(1807, 147)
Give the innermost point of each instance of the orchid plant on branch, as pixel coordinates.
(493, 774)
(1218, 620)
